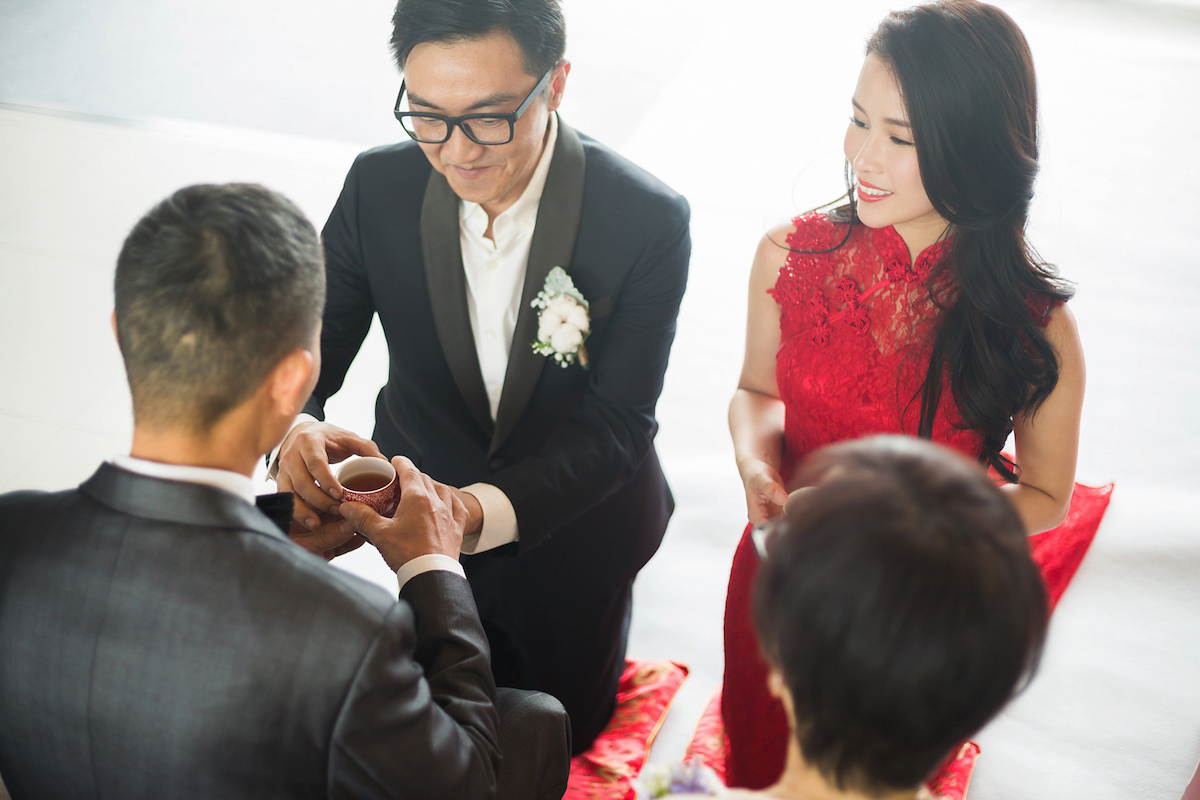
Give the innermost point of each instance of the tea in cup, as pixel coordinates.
(371, 481)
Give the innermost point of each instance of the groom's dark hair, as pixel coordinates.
(537, 26)
(214, 286)
(901, 605)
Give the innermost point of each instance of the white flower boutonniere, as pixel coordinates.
(563, 322)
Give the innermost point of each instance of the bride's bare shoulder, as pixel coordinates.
(772, 253)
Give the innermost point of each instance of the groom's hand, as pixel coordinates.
(304, 459)
(474, 523)
(428, 519)
(334, 537)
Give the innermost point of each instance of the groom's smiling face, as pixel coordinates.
(479, 76)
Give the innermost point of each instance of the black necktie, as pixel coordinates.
(277, 507)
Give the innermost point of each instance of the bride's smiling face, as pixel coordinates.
(879, 147)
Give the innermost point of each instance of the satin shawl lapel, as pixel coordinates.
(552, 246)
(448, 294)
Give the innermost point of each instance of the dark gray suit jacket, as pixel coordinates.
(162, 639)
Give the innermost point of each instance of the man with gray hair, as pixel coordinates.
(163, 637)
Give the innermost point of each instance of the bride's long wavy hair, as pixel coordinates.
(966, 76)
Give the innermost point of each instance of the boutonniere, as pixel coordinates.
(563, 322)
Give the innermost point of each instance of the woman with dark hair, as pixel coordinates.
(899, 609)
(919, 308)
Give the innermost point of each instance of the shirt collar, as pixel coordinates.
(233, 482)
(474, 218)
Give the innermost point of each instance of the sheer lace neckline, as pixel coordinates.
(898, 264)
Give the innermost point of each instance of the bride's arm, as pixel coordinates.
(756, 413)
(1047, 442)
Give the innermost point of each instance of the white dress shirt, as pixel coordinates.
(235, 483)
(495, 272)
(495, 276)
(241, 486)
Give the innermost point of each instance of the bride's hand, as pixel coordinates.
(765, 494)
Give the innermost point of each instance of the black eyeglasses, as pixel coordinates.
(488, 129)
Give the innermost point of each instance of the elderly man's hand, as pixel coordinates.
(304, 459)
(429, 519)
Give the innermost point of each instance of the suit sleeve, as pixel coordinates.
(419, 720)
(349, 305)
(600, 446)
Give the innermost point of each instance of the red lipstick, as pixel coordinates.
(870, 198)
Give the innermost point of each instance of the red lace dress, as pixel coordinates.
(856, 328)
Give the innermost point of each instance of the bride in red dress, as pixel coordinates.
(916, 308)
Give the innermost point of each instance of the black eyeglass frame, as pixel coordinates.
(452, 122)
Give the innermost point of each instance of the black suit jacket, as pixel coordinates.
(571, 448)
(162, 639)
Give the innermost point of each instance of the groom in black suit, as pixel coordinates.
(159, 634)
(450, 238)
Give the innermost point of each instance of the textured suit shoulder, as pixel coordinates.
(609, 166)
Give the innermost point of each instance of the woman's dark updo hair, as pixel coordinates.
(966, 77)
(902, 606)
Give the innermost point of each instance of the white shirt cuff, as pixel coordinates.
(273, 456)
(499, 519)
(427, 563)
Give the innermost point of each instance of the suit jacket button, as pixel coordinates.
(496, 463)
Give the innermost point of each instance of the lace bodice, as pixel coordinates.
(856, 331)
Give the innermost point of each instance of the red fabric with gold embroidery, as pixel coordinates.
(708, 742)
(856, 328)
(608, 770)
(953, 778)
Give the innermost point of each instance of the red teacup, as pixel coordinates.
(371, 481)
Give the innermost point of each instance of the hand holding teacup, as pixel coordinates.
(370, 481)
(333, 537)
(429, 518)
(304, 467)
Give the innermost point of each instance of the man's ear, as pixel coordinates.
(778, 688)
(288, 384)
(558, 85)
(116, 336)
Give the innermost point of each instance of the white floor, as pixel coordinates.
(742, 110)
